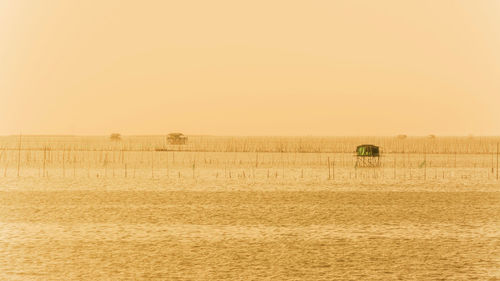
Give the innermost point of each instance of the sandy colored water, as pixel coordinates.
(124, 229)
(84, 209)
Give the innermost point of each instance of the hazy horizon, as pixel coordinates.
(242, 135)
(343, 68)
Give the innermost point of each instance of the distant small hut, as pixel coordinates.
(367, 155)
(402, 137)
(176, 138)
(115, 137)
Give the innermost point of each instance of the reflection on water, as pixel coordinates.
(248, 235)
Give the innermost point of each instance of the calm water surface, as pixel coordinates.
(48, 234)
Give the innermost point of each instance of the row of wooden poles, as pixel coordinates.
(331, 165)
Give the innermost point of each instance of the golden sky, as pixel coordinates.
(250, 67)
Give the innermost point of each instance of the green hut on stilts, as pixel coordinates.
(367, 155)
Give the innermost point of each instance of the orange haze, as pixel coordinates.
(250, 67)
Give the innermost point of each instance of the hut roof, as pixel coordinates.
(176, 135)
(368, 150)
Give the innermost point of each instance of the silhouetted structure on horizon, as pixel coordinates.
(176, 138)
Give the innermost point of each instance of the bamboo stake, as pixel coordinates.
(19, 157)
(329, 175)
(44, 159)
(394, 166)
(63, 164)
(282, 165)
(167, 164)
(194, 165)
(106, 166)
(333, 169)
(492, 165)
(425, 164)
